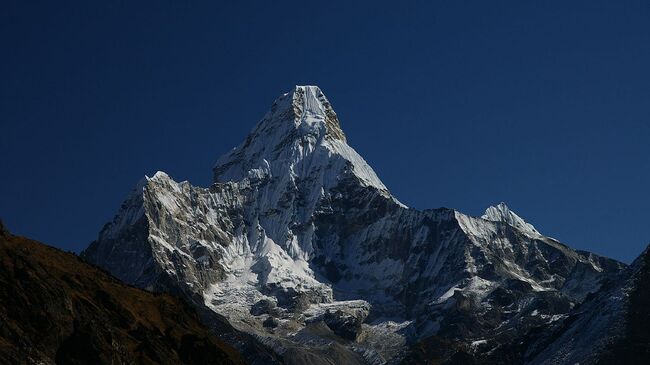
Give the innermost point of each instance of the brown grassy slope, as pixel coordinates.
(54, 308)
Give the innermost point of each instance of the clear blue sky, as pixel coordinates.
(543, 105)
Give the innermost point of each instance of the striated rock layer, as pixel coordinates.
(299, 243)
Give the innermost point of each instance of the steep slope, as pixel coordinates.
(632, 345)
(56, 309)
(299, 243)
(610, 327)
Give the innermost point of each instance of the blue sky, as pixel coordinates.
(463, 104)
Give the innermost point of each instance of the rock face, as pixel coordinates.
(611, 326)
(627, 342)
(54, 308)
(297, 220)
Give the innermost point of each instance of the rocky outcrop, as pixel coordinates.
(610, 326)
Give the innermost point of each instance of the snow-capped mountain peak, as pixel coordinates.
(298, 234)
(299, 139)
(501, 213)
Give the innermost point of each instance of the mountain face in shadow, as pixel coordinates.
(609, 327)
(633, 344)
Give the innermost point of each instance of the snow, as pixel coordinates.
(501, 213)
(349, 306)
(448, 294)
(475, 287)
(475, 344)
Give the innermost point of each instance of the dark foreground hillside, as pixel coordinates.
(54, 308)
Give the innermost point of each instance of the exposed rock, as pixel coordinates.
(345, 325)
(270, 322)
(263, 306)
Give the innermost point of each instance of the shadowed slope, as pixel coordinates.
(54, 308)
(633, 347)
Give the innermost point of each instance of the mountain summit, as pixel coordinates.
(299, 243)
(501, 213)
(300, 138)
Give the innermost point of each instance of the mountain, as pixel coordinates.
(299, 243)
(631, 343)
(611, 326)
(54, 308)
